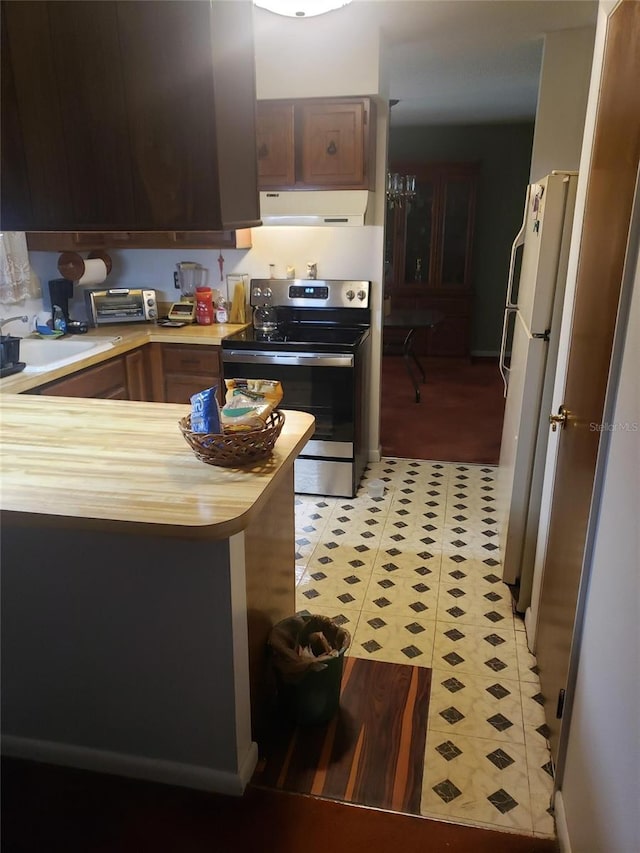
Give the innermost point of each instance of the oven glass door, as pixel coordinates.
(323, 386)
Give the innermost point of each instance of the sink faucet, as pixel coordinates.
(4, 320)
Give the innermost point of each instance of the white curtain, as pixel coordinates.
(18, 281)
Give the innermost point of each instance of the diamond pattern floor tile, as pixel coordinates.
(476, 780)
(416, 577)
(473, 706)
(401, 596)
(395, 639)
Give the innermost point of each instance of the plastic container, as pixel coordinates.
(375, 488)
(204, 306)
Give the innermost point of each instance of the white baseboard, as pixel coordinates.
(375, 455)
(135, 766)
(562, 828)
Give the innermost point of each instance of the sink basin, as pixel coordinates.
(40, 354)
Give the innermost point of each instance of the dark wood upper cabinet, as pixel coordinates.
(128, 116)
(319, 143)
(82, 241)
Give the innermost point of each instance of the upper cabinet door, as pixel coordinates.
(332, 144)
(275, 144)
(316, 144)
(65, 108)
(124, 113)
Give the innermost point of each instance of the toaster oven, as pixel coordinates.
(120, 305)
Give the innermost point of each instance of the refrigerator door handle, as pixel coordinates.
(504, 370)
(518, 241)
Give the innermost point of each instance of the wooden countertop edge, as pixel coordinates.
(129, 339)
(217, 531)
(235, 521)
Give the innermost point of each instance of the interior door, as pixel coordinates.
(608, 206)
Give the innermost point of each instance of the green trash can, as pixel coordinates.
(307, 653)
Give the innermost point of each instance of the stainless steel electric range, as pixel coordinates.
(315, 338)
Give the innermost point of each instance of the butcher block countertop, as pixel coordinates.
(126, 338)
(123, 465)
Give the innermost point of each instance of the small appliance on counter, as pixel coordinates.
(189, 277)
(182, 312)
(120, 305)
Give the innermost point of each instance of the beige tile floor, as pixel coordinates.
(415, 577)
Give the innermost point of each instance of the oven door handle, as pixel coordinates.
(300, 359)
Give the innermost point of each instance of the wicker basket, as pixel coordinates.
(234, 448)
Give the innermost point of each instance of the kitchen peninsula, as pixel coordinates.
(139, 585)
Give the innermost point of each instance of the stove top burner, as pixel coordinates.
(291, 337)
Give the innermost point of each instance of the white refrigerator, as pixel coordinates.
(528, 355)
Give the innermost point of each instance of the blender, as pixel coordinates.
(190, 276)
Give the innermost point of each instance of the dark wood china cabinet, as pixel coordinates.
(428, 251)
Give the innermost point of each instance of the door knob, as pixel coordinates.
(560, 419)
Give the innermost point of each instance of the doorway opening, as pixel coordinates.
(459, 416)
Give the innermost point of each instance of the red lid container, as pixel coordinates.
(204, 306)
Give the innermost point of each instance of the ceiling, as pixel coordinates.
(468, 61)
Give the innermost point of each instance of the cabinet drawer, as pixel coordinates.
(192, 360)
(180, 389)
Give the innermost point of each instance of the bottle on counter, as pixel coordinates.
(204, 306)
(222, 311)
(59, 322)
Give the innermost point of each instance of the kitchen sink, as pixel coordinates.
(41, 354)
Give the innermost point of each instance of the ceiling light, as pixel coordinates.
(301, 8)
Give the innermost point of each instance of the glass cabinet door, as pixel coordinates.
(428, 238)
(455, 248)
(419, 216)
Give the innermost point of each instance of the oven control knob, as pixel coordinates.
(349, 294)
(257, 293)
(152, 313)
(267, 293)
(362, 295)
(151, 302)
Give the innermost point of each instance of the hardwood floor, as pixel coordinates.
(50, 809)
(371, 752)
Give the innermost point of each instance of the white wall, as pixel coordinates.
(324, 56)
(562, 100)
(600, 788)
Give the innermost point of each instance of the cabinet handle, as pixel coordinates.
(263, 151)
(333, 148)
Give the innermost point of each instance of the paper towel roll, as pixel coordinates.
(95, 272)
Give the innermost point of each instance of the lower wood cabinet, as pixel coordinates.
(137, 369)
(125, 377)
(160, 373)
(181, 370)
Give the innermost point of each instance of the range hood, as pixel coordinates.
(318, 207)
